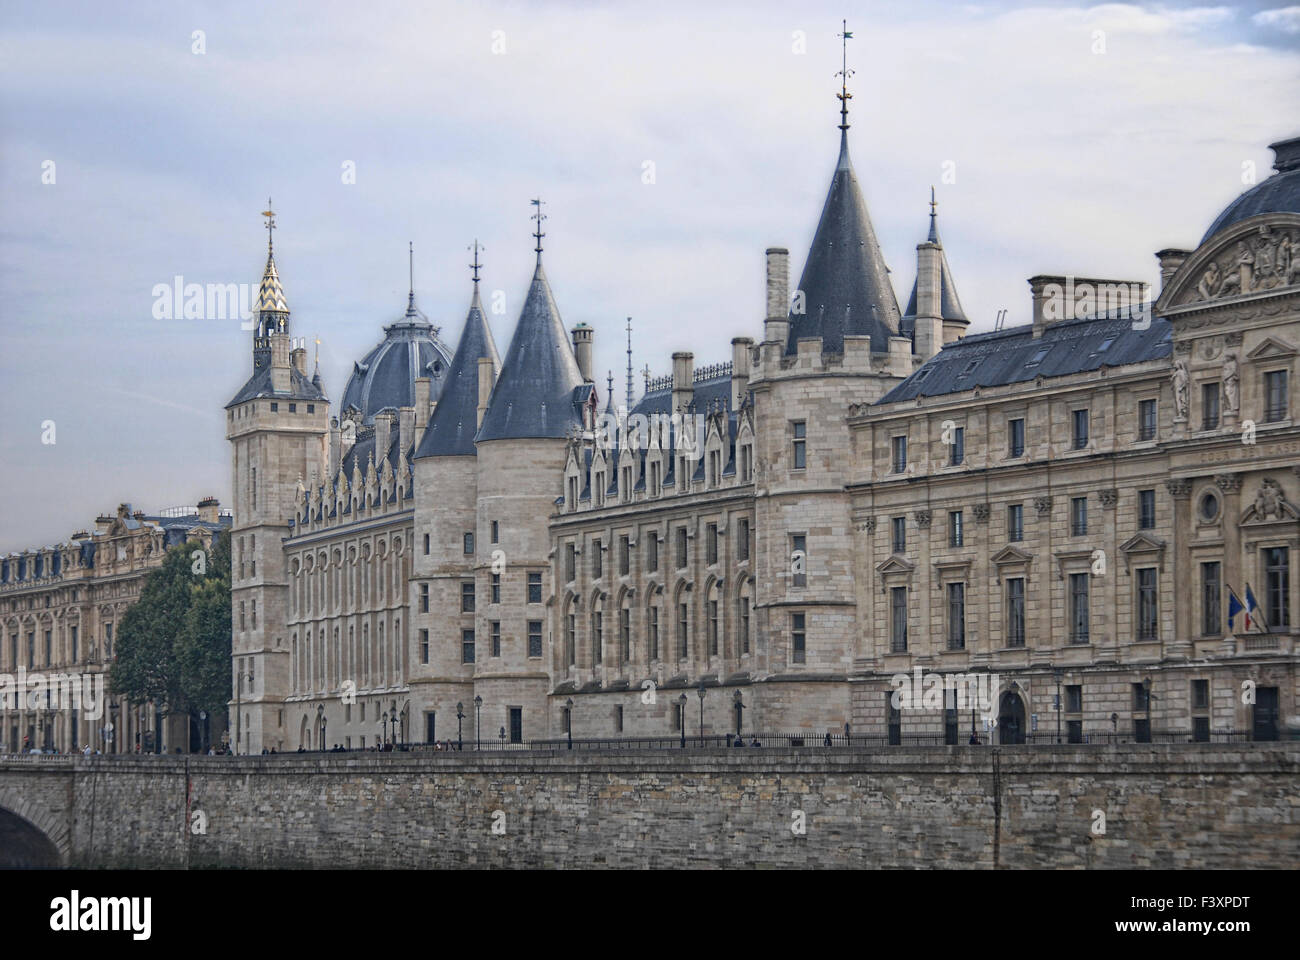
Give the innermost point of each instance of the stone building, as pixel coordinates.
(1063, 511)
(59, 606)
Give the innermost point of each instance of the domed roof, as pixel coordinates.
(1280, 193)
(386, 376)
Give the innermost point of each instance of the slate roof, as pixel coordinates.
(259, 385)
(1280, 193)
(949, 306)
(1013, 355)
(451, 429)
(845, 281)
(534, 394)
(386, 376)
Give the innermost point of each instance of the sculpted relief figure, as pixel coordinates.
(1179, 378)
(1261, 263)
(1231, 384)
(1268, 501)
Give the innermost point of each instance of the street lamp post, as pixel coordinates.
(681, 717)
(502, 735)
(320, 724)
(478, 714)
(701, 693)
(460, 715)
(569, 724)
(740, 707)
(385, 725)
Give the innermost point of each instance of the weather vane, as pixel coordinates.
(475, 265)
(269, 213)
(844, 74)
(539, 217)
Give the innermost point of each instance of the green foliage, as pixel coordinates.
(173, 644)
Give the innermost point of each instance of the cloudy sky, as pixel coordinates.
(1076, 140)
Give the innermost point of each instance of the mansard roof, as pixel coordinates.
(1009, 356)
(451, 429)
(535, 395)
(845, 283)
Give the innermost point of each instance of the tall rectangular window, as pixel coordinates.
(1146, 602)
(467, 598)
(426, 544)
(496, 532)
(534, 638)
(1147, 420)
(1080, 436)
(711, 543)
(1275, 396)
(1079, 621)
(681, 548)
(900, 454)
(424, 598)
(74, 643)
(597, 560)
(625, 634)
(1078, 516)
(494, 636)
(799, 560)
(1016, 437)
(744, 625)
(1200, 694)
(1016, 612)
(597, 637)
(742, 539)
(424, 646)
(800, 444)
(1211, 598)
(955, 532)
(898, 619)
(535, 587)
(570, 563)
(898, 534)
(1074, 698)
(957, 455)
(496, 588)
(1210, 406)
(467, 646)
(798, 638)
(1277, 586)
(624, 559)
(654, 633)
(469, 543)
(1016, 522)
(571, 637)
(1146, 509)
(683, 621)
(956, 616)
(712, 613)
(652, 551)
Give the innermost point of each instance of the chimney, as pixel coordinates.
(776, 328)
(927, 335)
(336, 448)
(487, 378)
(1170, 261)
(405, 431)
(423, 387)
(383, 435)
(683, 380)
(582, 335)
(102, 523)
(298, 356)
(208, 509)
(741, 352)
(280, 378)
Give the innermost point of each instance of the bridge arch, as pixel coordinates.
(29, 835)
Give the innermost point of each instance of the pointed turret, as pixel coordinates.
(934, 315)
(455, 419)
(845, 288)
(534, 394)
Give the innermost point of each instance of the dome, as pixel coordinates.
(1280, 193)
(386, 376)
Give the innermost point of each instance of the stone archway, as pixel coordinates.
(1011, 718)
(29, 837)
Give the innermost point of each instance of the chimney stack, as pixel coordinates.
(383, 434)
(741, 352)
(683, 380)
(927, 335)
(776, 328)
(487, 379)
(280, 378)
(582, 337)
(423, 389)
(1060, 298)
(298, 356)
(1170, 261)
(208, 509)
(405, 432)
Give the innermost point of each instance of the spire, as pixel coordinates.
(475, 266)
(844, 74)
(949, 305)
(410, 267)
(535, 393)
(845, 288)
(270, 295)
(934, 229)
(538, 234)
(609, 393)
(629, 363)
(451, 428)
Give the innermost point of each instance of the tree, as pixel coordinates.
(174, 643)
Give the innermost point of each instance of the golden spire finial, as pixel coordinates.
(269, 213)
(844, 74)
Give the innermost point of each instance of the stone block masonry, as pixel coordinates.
(1164, 805)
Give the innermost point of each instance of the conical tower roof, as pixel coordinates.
(534, 395)
(451, 429)
(845, 283)
(949, 306)
(270, 295)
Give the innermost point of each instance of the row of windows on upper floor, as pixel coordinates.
(241, 412)
(47, 646)
(657, 482)
(1275, 611)
(713, 539)
(1276, 409)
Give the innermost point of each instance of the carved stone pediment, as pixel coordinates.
(1073, 559)
(1257, 256)
(1271, 348)
(1142, 546)
(895, 564)
(1269, 506)
(1011, 555)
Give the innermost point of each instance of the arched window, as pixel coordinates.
(744, 610)
(625, 631)
(571, 632)
(597, 632)
(713, 618)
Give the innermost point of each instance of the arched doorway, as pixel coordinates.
(304, 741)
(1011, 718)
(24, 846)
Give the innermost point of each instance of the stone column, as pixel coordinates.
(1185, 586)
(1229, 485)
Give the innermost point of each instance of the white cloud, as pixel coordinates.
(1286, 19)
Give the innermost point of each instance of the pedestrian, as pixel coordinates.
(86, 750)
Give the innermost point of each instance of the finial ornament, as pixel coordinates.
(475, 266)
(538, 234)
(410, 258)
(629, 363)
(844, 74)
(269, 213)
